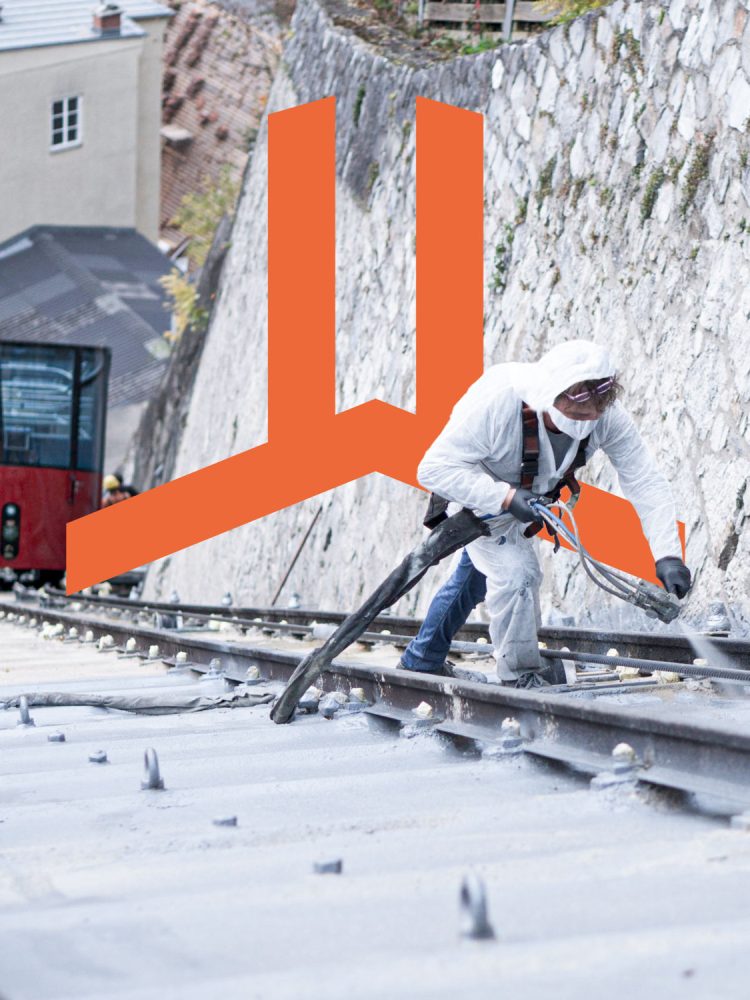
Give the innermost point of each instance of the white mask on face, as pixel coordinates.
(577, 429)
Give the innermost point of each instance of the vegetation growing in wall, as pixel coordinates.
(522, 208)
(631, 57)
(577, 190)
(483, 45)
(183, 304)
(202, 211)
(503, 253)
(372, 176)
(564, 11)
(198, 218)
(696, 173)
(544, 188)
(651, 193)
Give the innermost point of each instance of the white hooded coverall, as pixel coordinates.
(477, 458)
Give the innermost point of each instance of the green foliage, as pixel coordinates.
(577, 189)
(675, 166)
(651, 193)
(183, 304)
(697, 172)
(544, 188)
(483, 45)
(201, 211)
(372, 176)
(632, 59)
(563, 11)
(503, 252)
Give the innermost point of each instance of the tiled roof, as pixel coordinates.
(89, 285)
(27, 24)
(218, 69)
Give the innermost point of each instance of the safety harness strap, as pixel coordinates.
(437, 510)
(530, 467)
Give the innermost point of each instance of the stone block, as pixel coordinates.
(728, 27)
(548, 93)
(498, 74)
(658, 142)
(576, 36)
(557, 49)
(676, 89)
(738, 102)
(686, 123)
(677, 14)
(689, 54)
(708, 27)
(723, 71)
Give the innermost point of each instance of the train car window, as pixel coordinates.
(92, 403)
(36, 404)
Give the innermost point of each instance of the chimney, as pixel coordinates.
(107, 18)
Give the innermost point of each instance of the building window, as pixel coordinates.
(67, 122)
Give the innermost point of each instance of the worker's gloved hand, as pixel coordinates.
(519, 506)
(674, 574)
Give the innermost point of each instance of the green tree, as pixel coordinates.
(201, 211)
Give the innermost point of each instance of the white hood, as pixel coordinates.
(541, 382)
(478, 454)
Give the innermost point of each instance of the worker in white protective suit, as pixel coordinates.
(476, 461)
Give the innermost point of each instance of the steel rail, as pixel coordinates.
(612, 659)
(693, 757)
(646, 645)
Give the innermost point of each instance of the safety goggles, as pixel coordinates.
(599, 390)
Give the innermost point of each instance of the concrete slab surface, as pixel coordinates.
(109, 892)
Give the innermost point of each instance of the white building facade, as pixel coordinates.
(80, 112)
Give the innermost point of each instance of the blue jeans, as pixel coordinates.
(450, 608)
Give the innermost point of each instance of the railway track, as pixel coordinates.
(300, 621)
(685, 736)
(337, 858)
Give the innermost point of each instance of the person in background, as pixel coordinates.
(115, 490)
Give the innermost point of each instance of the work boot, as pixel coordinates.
(528, 679)
(449, 669)
(553, 670)
(550, 675)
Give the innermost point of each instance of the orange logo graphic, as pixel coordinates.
(310, 447)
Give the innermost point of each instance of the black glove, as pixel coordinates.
(519, 506)
(674, 574)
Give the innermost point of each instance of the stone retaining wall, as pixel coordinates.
(617, 209)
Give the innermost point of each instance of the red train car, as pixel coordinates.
(53, 406)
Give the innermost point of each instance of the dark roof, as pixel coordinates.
(90, 285)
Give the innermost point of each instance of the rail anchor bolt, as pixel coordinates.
(333, 867)
(331, 703)
(475, 923)
(24, 717)
(153, 778)
(624, 768)
(510, 743)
